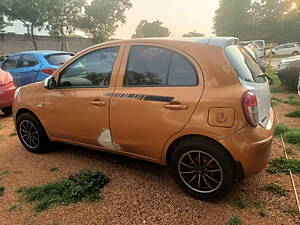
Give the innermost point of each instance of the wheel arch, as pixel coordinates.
(238, 167)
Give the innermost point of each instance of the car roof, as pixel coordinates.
(41, 52)
(214, 41)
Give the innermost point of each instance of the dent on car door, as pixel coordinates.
(156, 93)
(77, 109)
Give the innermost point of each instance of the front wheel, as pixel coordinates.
(203, 169)
(295, 53)
(31, 133)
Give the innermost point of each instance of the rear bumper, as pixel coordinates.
(7, 98)
(251, 146)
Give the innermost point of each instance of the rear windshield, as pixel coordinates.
(244, 65)
(58, 59)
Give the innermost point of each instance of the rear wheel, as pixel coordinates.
(295, 53)
(31, 133)
(202, 168)
(7, 111)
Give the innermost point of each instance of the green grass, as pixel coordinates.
(292, 136)
(1, 126)
(2, 190)
(276, 86)
(282, 165)
(292, 210)
(280, 128)
(275, 189)
(291, 100)
(295, 113)
(234, 221)
(52, 169)
(289, 151)
(241, 203)
(82, 186)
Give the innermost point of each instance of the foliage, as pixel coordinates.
(282, 165)
(62, 17)
(272, 20)
(2, 190)
(82, 186)
(295, 113)
(291, 100)
(4, 172)
(234, 221)
(292, 136)
(193, 34)
(103, 17)
(276, 189)
(151, 29)
(52, 169)
(280, 128)
(276, 86)
(32, 13)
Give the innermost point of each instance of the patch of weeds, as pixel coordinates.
(275, 189)
(234, 221)
(289, 151)
(295, 113)
(292, 136)
(280, 128)
(261, 206)
(11, 208)
(82, 186)
(52, 169)
(274, 102)
(291, 100)
(282, 165)
(292, 210)
(2, 190)
(4, 172)
(240, 203)
(276, 86)
(1, 126)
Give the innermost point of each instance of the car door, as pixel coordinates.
(281, 50)
(11, 64)
(28, 69)
(156, 93)
(77, 109)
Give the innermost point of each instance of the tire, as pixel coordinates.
(7, 111)
(216, 170)
(32, 135)
(295, 53)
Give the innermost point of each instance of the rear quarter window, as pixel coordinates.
(246, 68)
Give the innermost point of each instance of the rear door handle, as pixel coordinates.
(177, 106)
(97, 102)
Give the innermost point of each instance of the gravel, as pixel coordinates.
(139, 192)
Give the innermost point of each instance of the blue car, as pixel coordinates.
(32, 66)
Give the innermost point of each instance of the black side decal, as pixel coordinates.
(141, 97)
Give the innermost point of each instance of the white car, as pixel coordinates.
(286, 49)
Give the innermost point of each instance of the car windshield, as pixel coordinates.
(58, 59)
(246, 68)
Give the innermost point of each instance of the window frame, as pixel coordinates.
(118, 47)
(169, 67)
(18, 62)
(21, 61)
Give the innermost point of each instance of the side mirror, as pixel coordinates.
(49, 83)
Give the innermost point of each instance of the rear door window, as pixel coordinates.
(58, 59)
(246, 68)
(29, 61)
(11, 62)
(156, 66)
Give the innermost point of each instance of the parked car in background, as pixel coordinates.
(285, 49)
(199, 105)
(31, 66)
(7, 91)
(259, 60)
(288, 71)
(2, 59)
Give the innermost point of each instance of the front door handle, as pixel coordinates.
(97, 102)
(176, 106)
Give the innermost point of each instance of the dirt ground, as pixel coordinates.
(139, 192)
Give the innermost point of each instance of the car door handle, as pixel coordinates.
(97, 102)
(176, 106)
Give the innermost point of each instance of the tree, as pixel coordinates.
(148, 29)
(30, 12)
(193, 34)
(3, 23)
(62, 18)
(232, 18)
(103, 17)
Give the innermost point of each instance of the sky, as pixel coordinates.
(180, 16)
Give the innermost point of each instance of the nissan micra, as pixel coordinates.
(200, 106)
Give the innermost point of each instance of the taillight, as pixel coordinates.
(10, 85)
(250, 107)
(48, 71)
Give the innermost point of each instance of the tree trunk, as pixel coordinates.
(33, 37)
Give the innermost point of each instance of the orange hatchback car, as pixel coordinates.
(199, 105)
